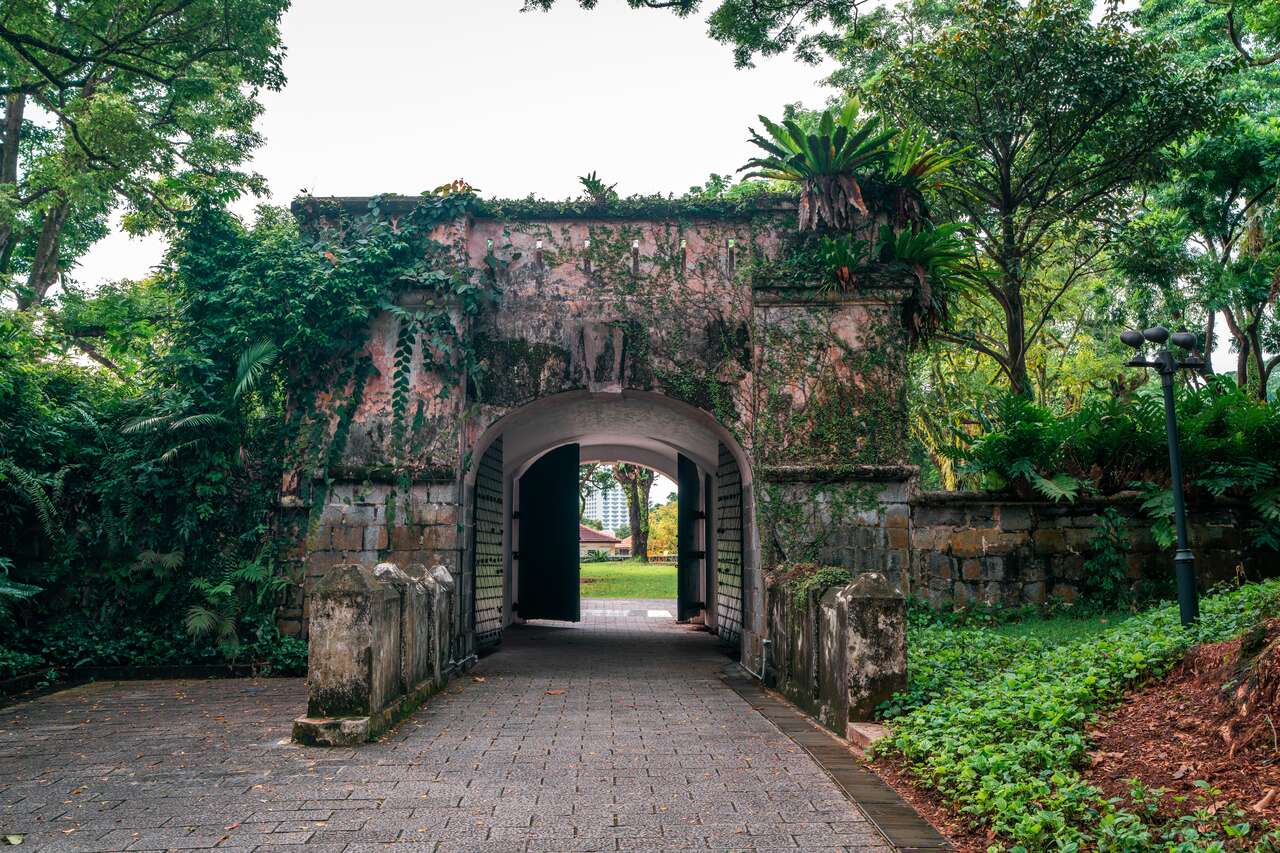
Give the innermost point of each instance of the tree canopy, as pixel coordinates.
(149, 105)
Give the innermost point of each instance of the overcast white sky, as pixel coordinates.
(402, 96)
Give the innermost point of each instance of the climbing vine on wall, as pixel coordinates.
(408, 264)
(804, 520)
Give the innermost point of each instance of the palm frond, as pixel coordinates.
(197, 421)
(17, 591)
(146, 423)
(253, 363)
(173, 453)
(202, 622)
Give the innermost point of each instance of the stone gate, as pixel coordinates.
(680, 337)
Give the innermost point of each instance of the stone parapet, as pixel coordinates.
(840, 653)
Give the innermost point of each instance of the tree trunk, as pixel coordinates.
(1015, 312)
(1016, 333)
(1259, 360)
(1210, 339)
(636, 481)
(44, 265)
(11, 130)
(1242, 363)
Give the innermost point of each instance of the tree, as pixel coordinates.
(1209, 238)
(663, 524)
(810, 28)
(1060, 116)
(1253, 27)
(109, 102)
(636, 482)
(1205, 243)
(592, 479)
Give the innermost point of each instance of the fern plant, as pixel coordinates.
(597, 190)
(841, 256)
(825, 163)
(12, 591)
(943, 263)
(915, 166)
(1022, 451)
(225, 598)
(193, 431)
(28, 486)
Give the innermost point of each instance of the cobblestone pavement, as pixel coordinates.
(613, 734)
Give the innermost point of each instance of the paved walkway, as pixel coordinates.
(613, 734)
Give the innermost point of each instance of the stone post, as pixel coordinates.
(415, 623)
(875, 643)
(354, 658)
(440, 591)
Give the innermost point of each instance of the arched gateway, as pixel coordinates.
(682, 336)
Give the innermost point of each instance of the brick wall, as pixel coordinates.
(372, 523)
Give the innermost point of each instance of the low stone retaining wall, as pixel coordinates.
(842, 653)
(975, 549)
(379, 645)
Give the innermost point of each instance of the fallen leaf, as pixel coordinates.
(555, 692)
(14, 840)
(478, 679)
(235, 825)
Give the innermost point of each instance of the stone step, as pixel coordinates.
(864, 735)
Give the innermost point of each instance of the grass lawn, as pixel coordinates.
(1064, 628)
(630, 579)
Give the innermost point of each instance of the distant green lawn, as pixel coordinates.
(628, 579)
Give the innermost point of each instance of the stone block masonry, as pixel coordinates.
(977, 549)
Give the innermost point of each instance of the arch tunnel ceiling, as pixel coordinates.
(626, 427)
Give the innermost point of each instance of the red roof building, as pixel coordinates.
(590, 539)
(593, 536)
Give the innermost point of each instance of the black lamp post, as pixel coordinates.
(1184, 562)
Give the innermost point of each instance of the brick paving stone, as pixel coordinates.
(615, 733)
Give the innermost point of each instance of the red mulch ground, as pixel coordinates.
(1214, 718)
(932, 807)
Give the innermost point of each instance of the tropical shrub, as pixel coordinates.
(18, 663)
(1230, 447)
(823, 163)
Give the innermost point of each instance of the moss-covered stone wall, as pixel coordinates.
(690, 305)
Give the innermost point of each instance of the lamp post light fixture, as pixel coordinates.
(1166, 365)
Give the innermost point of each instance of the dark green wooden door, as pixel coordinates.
(688, 555)
(548, 546)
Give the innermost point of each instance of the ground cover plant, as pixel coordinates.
(1007, 749)
(628, 579)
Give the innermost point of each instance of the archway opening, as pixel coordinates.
(527, 547)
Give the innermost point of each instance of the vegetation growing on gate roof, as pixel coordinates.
(763, 204)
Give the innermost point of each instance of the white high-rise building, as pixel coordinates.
(609, 507)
